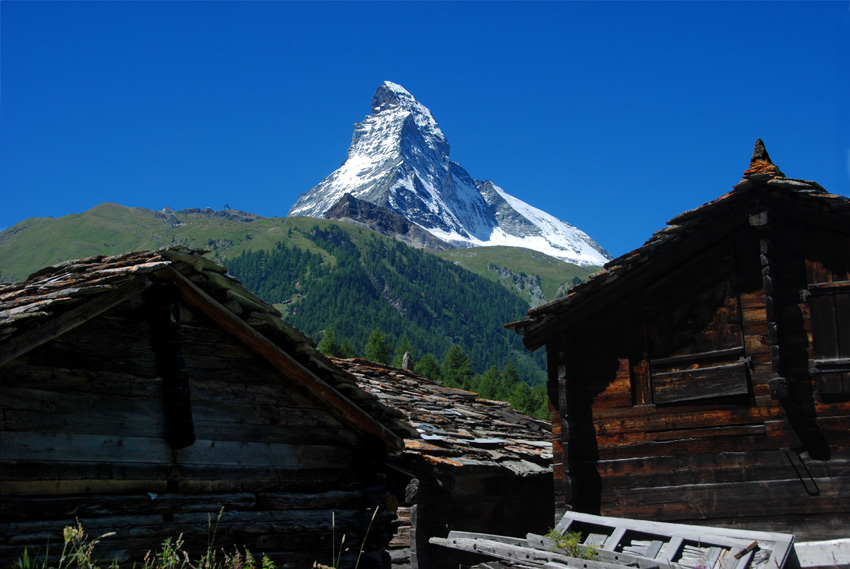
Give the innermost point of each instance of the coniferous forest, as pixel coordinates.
(378, 298)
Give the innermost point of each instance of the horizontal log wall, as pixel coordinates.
(746, 460)
(83, 435)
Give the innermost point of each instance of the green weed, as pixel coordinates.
(570, 543)
(78, 552)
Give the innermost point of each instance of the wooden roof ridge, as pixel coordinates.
(762, 186)
(57, 299)
(453, 427)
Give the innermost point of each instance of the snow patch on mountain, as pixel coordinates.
(398, 159)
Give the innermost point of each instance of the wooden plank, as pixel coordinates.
(522, 554)
(49, 378)
(69, 320)
(97, 448)
(666, 418)
(729, 500)
(75, 413)
(672, 548)
(654, 548)
(281, 360)
(831, 553)
(830, 287)
(83, 448)
(701, 383)
(41, 507)
(359, 499)
(842, 315)
(228, 522)
(112, 421)
(23, 479)
(702, 356)
(710, 467)
(746, 430)
(77, 486)
(614, 539)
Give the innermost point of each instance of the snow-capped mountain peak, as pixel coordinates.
(399, 160)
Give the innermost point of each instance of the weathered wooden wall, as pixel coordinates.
(83, 434)
(658, 418)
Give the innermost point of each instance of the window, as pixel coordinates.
(694, 333)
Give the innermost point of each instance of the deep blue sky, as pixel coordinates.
(612, 116)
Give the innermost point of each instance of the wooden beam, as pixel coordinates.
(74, 317)
(340, 405)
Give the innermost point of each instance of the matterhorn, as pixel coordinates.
(399, 161)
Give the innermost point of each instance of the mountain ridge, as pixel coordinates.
(398, 159)
(111, 228)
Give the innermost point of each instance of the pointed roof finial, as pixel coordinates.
(760, 164)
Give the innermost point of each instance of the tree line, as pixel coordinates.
(501, 384)
(379, 283)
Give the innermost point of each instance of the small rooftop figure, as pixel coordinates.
(407, 361)
(761, 165)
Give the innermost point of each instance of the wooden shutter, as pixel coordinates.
(694, 332)
(829, 305)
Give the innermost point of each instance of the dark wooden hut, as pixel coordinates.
(142, 393)
(705, 376)
(471, 465)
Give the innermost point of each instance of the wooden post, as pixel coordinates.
(343, 407)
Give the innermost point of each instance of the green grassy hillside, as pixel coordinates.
(111, 228)
(328, 275)
(520, 270)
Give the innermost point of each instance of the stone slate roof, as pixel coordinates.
(456, 429)
(763, 186)
(56, 297)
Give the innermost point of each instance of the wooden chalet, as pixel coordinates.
(143, 393)
(472, 465)
(705, 377)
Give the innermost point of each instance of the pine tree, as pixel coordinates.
(346, 349)
(377, 349)
(540, 405)
(329, 345)
(455, 369)
(488, 385)
(521, 397)
(402, 347)
(428, 367)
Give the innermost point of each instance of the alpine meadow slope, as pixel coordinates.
(398, 159)
(370, 282)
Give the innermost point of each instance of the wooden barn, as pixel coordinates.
(705, 377)
(471, 465)
(142, 393)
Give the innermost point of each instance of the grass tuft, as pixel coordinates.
(78, 552)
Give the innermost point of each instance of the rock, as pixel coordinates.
(761, 166)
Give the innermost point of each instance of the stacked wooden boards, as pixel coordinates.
(616, 543)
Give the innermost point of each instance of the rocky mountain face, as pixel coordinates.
(398, 160)
(359, 212)
(171, 217)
